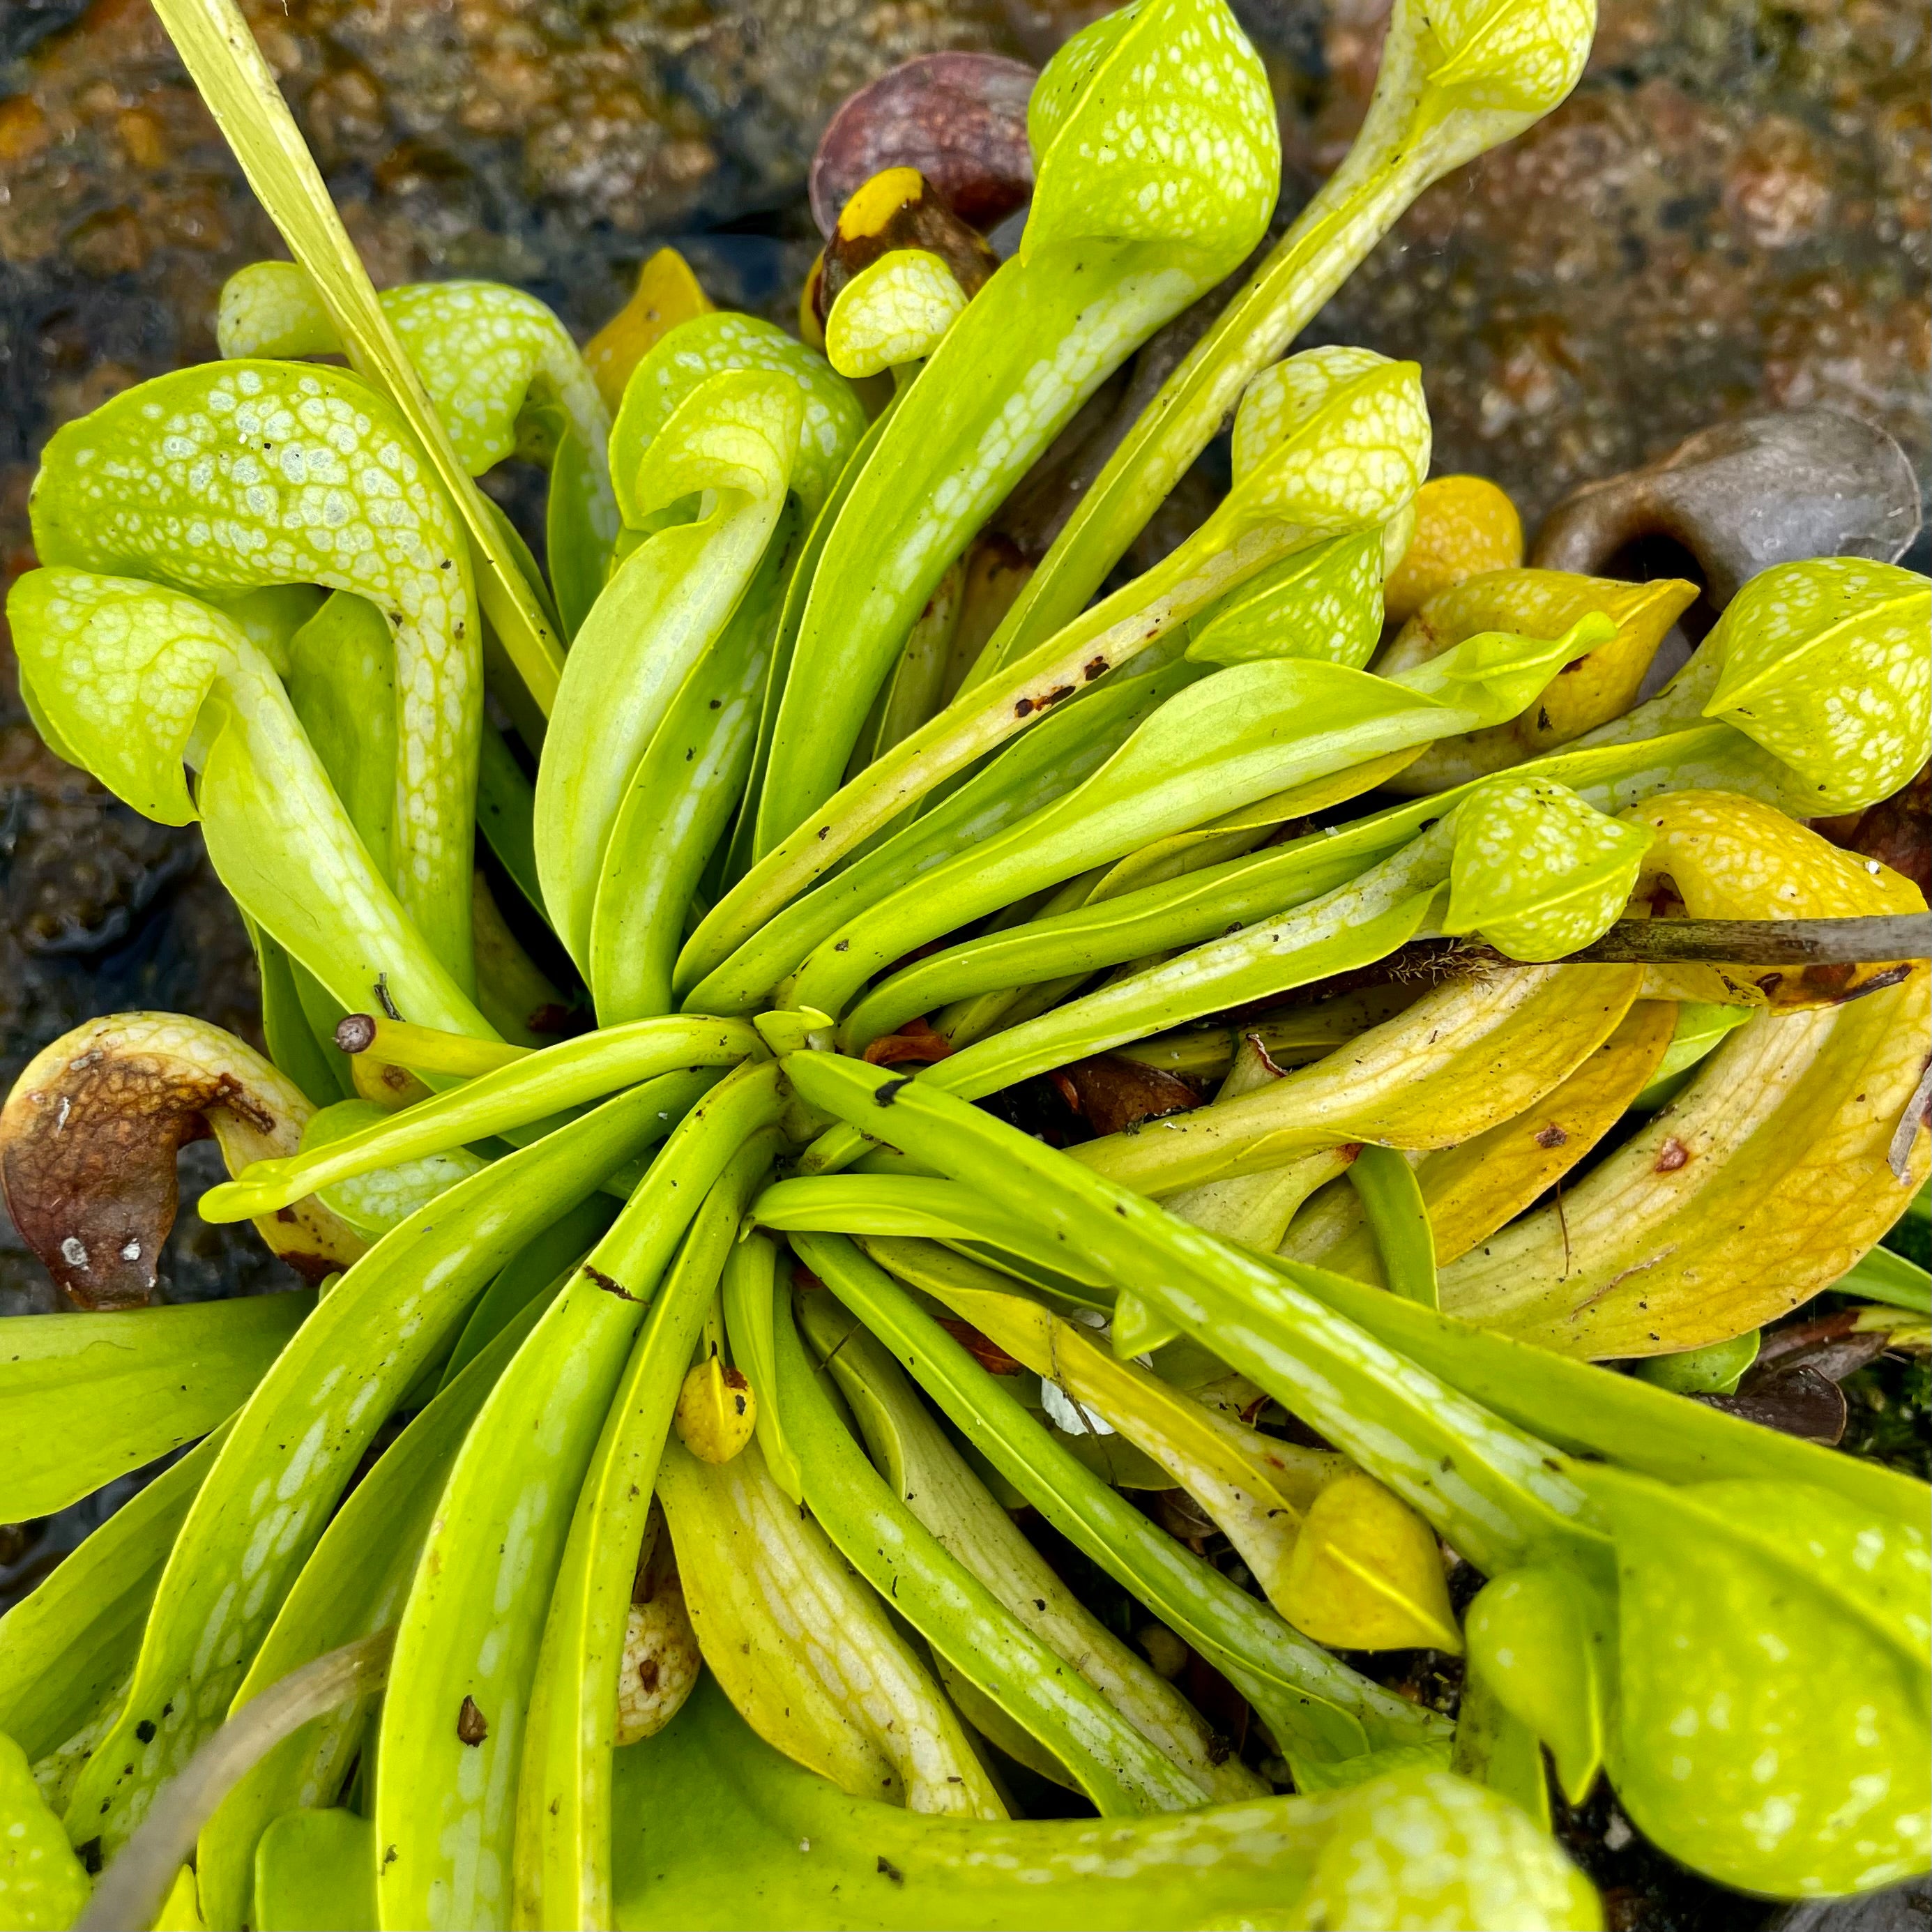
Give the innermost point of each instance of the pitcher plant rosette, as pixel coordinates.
(951, 1190)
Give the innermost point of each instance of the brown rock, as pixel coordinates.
(111, 243)
(1775, 189)
(1740, 496)
(24, 131)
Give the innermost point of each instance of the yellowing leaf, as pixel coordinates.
(1255, 1488)
(1731, 857)
(661, 1662)
(666, 294)
(1256, 1209)
(181, 1912)
(1466, 1057)
(1474, 1188)
(1762, 1183)
(1538, 603)
(1367, 1573)
(716, 1412)
(1464, 526)
(1705, 986)
(1768, 1176)
(805, 1650)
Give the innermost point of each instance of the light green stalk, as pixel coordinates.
(352, 1586)
(1157, 160)
(473, 1623)
(1484, 1485)
(1066, 748)
(1319, 1710)
(134, 682)
(1334, 439)
(529, 1090)
(1720, 1598)
(938, 1487)
(1237, 737)
(295, 1446)
(732, 442)
(563, 1826)
(236, 474)
(1454, 83)
(1528, 864)
(727, 415)
(680, 800)
(960, 1615)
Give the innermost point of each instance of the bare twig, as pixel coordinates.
(1765, 942)
(133, 1888)
(1898, 1156)
(1676, 942)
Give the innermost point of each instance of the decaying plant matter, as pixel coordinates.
(724, 1473)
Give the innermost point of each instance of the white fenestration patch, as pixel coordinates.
(236, 475)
